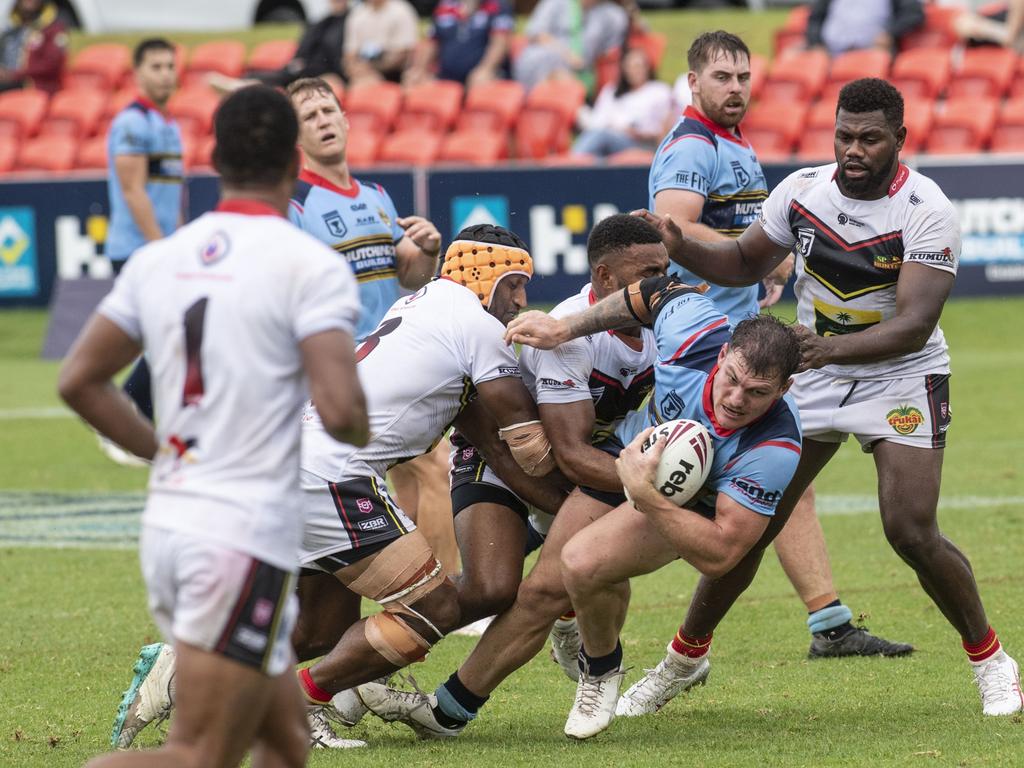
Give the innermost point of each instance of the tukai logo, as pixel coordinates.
(905, 419)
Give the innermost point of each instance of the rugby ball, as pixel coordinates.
(686, 461)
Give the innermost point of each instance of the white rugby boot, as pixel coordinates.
(321, 718)
(348, 707)
(594, 707)
(998, 679)
(149, 697)
(565, 647)
(414, 708)
(674, 674)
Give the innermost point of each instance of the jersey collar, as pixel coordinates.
(709, 406)
(736, 138)
(317, 180)
(246, 207)
(148, 104)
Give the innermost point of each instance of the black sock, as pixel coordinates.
(595, 666)
(463, 699)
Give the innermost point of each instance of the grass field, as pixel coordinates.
(74, 615)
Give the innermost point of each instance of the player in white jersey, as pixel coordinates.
(878, 246)
(232, 312)
(418, 368)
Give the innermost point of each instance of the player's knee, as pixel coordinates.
(579, 566)
(912, 542)
(488, 596)
(543, 596)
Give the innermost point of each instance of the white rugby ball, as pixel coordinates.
(686, 461)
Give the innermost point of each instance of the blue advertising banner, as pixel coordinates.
(19, 268)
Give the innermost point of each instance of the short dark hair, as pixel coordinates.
(769, 346)
(147, 45)
(870, 94)
(490, 233)
(311, 85)
(706, 45)
(256, 131)
(617, 232)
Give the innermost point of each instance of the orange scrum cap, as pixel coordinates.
(482, 255)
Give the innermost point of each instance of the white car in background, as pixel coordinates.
(180, 15)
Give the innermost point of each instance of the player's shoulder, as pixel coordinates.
(689, 134)
(134, 117)
(804, 179)
(922, 195)
(778, 428)
(575, 303)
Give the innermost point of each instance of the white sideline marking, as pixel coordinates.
(90, 521)
(54, 412)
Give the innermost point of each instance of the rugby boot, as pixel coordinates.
(856, 641)
(322, 718)
(150, 696)
(565, 647)
(998, 679)
(594, 707)
(674, 674)
(414, 708)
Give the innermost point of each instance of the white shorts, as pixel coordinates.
(347, 521)
(913, 411)
(219, 599)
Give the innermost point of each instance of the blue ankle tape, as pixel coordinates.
(451, 707)
(829, 618)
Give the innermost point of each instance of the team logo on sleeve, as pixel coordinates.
(215, 249)
(335, 224)
(905, 419)
(943, 258)
(385, 219)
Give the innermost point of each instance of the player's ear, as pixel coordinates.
(722, 353)
(786, 386)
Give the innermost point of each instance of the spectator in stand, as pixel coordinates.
(629, 113)
(840, 27)
(380, 38)
(33, 48)
(566, 37)
(468, 41)
(318, 55)
(1000, 26)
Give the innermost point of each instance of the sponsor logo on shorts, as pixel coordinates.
(510, 370)
(247, 637)
(373, 524)
(365, 505)
(905, 419)
(753, 491)
(262, 612)
(556, 384)
(944, 257)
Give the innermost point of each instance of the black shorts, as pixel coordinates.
(473, 482)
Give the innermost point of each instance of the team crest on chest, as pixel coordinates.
(335, 224)
(215, 249)
(804, 241)
(742, 177)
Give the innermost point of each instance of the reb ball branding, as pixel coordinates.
(676, 480)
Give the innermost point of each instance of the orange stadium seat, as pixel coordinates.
(792, 33)
(984, 71)
(918, 116)
(102, 66)
(821, 114)
(606, 68)
(817, 146)
(410, 148)
(53, 154)
(362, 148)
(21, 112)
(566, 160)
(431, 106)
(8, 154)
(373, 106)
(796, 76)
(561, 98)
(193, 108)
(272, 54)
(92, 154)
(654, 43)
(473, 147)
(962, 126)
(202, 155)
(493, 105)
(536, 134)
(937, 30)
(758, 74)
(852, 65)
(224, 56)
(921, 72)
(1008, 135)
(74, 113)
(773, 127)
(631, 156)
(516, 45)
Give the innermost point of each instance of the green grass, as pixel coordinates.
(72, 620)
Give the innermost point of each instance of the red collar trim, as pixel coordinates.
(317, 180)
(247, 207)
(149, 104)
(715, 128)
(902, 174)
(709, 407)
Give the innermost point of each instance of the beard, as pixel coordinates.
(868, 185)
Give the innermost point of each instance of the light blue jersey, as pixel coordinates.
(700, 156)
(361, 224)
(753, 464)
(142, 129)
